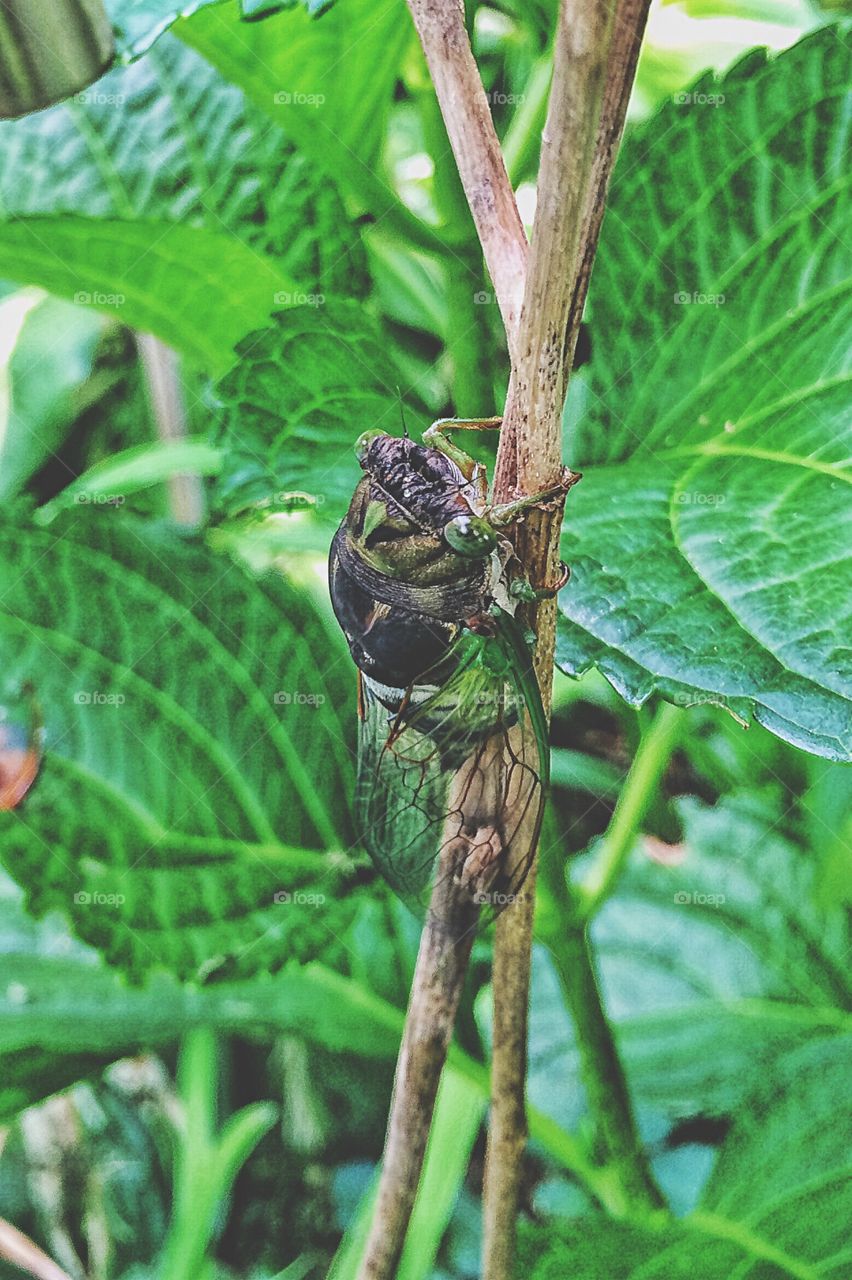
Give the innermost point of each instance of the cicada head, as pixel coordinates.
(417, 517)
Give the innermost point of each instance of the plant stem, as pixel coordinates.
(165, 393)
(595, 52)
(652, 756)
(602, 1072)
(522, 138)
(564, 929)
(464, 106)
(467, 335)
(435, 992)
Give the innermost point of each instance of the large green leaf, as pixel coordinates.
(65, 1014)
(710, 968)
(198, 290)
(777, 1206)
(295, 402)
(195, 765)
(168, 139)
(327, 83)
(709, 539)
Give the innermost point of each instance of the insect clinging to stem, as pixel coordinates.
(424, 581)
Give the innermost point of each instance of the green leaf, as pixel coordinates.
(195, 768)
(109, 482)
(777, 1204)
(296, 401)
(711, 967)
(707, 537)
(328, 84)
(139, 23)
(168, 139)
(46, 378)
(198, 290)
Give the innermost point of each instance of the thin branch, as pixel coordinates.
(21, 1252)
(162, 377)
(476, 147)
(594, 63)
(436, 988)
(648, 767)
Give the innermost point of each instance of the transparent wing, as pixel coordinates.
(452, 785)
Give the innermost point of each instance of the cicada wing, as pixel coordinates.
(400, 797)
(452, 786)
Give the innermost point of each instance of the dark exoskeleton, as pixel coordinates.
(424, 584)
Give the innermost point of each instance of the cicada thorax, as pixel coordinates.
(399, 591)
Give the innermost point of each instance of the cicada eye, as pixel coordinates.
(470, 536)
(363, 442)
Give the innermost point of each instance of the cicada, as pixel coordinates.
(452, 745)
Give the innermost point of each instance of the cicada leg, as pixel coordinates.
(505, 512)
(524, 591)
(473, 471)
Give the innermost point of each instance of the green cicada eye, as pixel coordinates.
(470, 536)
(363, 441)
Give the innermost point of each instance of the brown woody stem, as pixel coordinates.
(476, 147)
(435, 992)
(597, 44)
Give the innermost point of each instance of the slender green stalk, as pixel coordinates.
(655, 749)
(523, 136)
(467, 334)
(603, 1075)
(564, 928)
(207, 1161)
